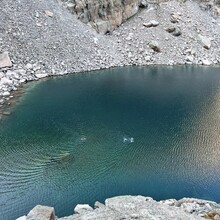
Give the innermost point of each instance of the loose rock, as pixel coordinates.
(155, 46)
(205, 41)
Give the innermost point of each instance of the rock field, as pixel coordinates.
(42, 38)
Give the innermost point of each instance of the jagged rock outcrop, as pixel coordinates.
(135, 207)
(104, 15)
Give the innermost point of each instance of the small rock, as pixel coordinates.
(174, 19)
(70, 6)
(6, 93)
(6, 81)
(147, 24)
(98, 205)
(206, 62)
(154, 23)
(143, 4)
(151, 23)
(41, 75)
(5, 60)
(147, 58)
(177, 32)
(29, 66)
(170, 29)
(1, 75)
(49, 13)
(205, 41)
(80, 208)
(189, 58)
(155, 46)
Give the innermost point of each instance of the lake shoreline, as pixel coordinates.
(9, 101)
(138, 207)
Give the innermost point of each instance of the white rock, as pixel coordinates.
(205, 41)
(206, 62)
(189, 58)
(5, 60)
(80, 208)
(5, 81)
(6, 94)
(29, 66)
(147, 58)
(41, 75)
(1, 75)
(49, 13)
(154, 23)
(22, 218)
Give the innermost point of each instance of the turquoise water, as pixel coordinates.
(153, 131)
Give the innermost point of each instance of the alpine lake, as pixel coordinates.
(81, 138)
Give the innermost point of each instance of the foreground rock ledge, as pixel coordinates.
(134, 207)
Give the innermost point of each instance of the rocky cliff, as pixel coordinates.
(104, 15)
(134, 207)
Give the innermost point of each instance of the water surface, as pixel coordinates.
(153, 131)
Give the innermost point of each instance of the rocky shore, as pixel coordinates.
(134, 207)
(42, 38)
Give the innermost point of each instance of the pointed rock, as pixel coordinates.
(5, 60)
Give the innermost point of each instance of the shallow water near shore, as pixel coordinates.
(82, 138)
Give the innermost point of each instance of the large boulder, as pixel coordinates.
(40, 212)
(104, 15)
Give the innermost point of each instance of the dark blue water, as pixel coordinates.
(153, 131)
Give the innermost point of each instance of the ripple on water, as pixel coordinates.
(88, 137)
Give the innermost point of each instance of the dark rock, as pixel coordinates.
(155, 46)
(143, 4)
(177, 32)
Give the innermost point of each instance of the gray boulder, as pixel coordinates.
(40, 212)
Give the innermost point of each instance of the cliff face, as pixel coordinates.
(103, 15)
